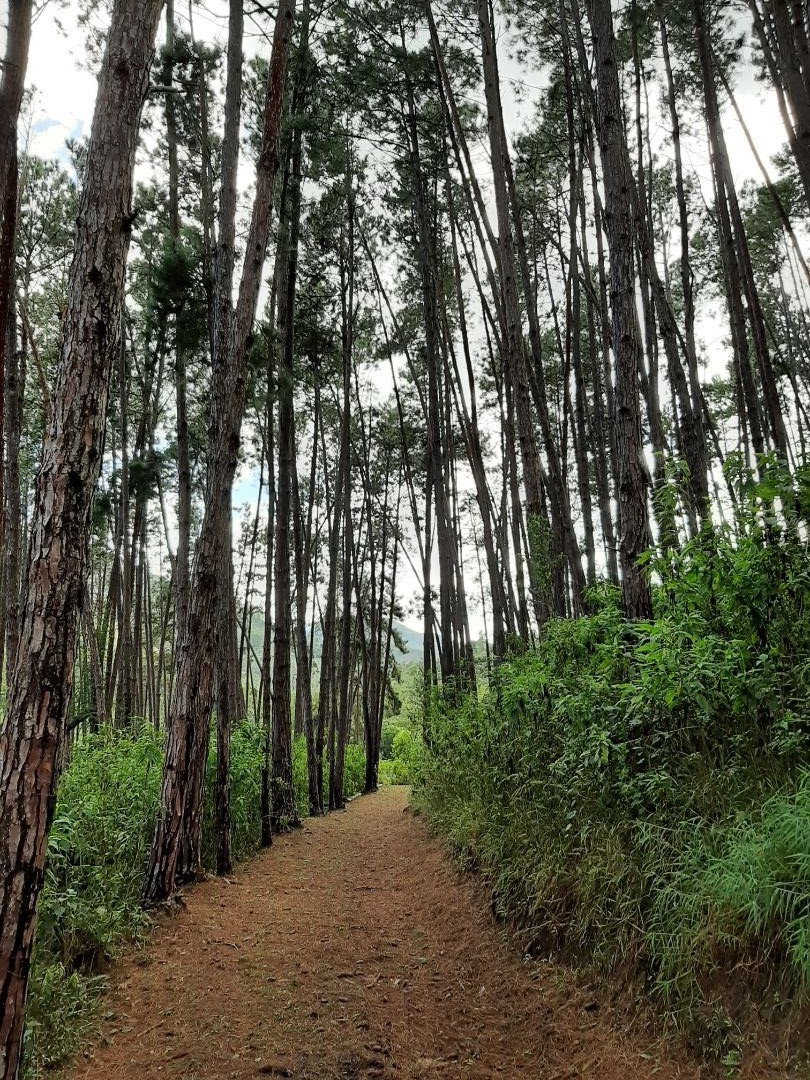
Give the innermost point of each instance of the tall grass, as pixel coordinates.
(638, 794)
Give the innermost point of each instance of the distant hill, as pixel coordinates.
(412, 640)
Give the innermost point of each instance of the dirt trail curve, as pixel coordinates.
(351, 950)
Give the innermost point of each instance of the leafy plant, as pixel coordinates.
(636, 792)
(402, 766)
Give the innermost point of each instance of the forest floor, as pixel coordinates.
(353, 949)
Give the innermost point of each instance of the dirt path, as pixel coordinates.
(350, 950)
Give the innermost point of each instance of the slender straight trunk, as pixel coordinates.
(97, 682)
(737, 236)
(221, 330)
(469, 423)
(182, 558)
(302, 542)
(283, 811)
(525, 383)
(344, 678)
(244, 660)
(8, 403)
(339, 689)
(123, 698)
(14, 67)
(227, 679)
(633, 481)
(227, 713)
(12, 85)
(598, 424)
(783, 29)
(180, 813)
(14, 400)
(574, 306)
(748, 405)
(770, 187)
(426, 256)
(657, 306)
(380, 661)
(283, 808)
(267, 644)
(687, 276)
(386, 666)
(32, 737)
(326, 691)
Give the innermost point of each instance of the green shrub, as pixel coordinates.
(246, 763)
(403, 764)
(635, 792)
(354, 772)
(97, 847)
(61, 1010)
(741, 889)
(390, 729)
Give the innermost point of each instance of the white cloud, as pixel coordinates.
(64, 89)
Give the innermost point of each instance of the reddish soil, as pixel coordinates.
(353, 949)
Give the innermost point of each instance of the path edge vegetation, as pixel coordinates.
(636, 795)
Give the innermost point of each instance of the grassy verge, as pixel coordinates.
(639, 795)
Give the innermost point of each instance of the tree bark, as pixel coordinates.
(12, 85)
(633, 481)
(181, 793)
(39, 695)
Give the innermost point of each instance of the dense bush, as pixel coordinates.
(354, 771)
(402, 763)
(636, 792)
(90, 905)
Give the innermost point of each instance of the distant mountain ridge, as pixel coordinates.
(411, 638)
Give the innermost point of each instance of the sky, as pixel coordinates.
(64, 97)
(66, 88)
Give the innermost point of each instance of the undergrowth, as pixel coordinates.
(401, 765)
(90, 904)
(639, 794)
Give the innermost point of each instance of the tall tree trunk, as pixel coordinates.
(326, 691)
(8, 404)
(123, 700)
(283, 810)
(341, 663)
(267, 643)
(14, 399)
(181, 793)
(428, 270)
(12, 85)
(633, 481)
(528, 386)
(735, 235)
(783, 29)
(228, 694)
(181, 579)
(687, 276)
(302, 533)
(470, 427)
(39, 694)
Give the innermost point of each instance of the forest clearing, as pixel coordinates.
(405, 395)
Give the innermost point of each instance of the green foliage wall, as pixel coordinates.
(402, 764)
(638, 794)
